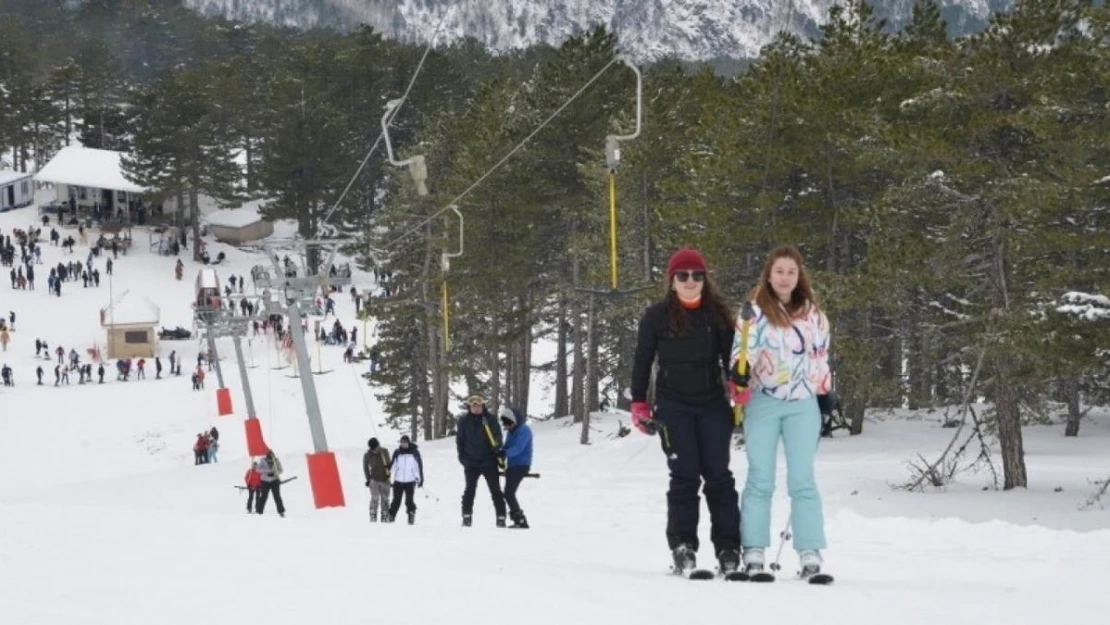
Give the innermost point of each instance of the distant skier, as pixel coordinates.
(518, 458)
(375, 465)
(689, 334)
(408, 473)
(478, 441)
(789, 340)
(270, 468)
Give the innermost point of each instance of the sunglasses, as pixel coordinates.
(683, 276)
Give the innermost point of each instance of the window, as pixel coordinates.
(82, 193)
(23, 188)
(137, 337)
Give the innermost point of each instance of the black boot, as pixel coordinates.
(685, 560)
(500, 521)
(412, 518)
(520, 522)
(728, 561)
(466, 520)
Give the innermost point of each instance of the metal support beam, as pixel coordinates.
(243, 375)
(304, 372)
(213, 356)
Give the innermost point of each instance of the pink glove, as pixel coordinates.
(641, 417)
(740, 396)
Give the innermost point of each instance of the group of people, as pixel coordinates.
(483, 452)
(779, 382)
(262, 481)
(206, 447)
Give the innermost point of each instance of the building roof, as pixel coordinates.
(87, 167)
(236, 217)
(129, 310)
(8, 177)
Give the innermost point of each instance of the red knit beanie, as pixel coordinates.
(687, 259)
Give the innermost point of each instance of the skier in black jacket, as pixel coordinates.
(690, 333)
(478, 438)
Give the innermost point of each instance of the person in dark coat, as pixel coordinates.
(478, 440)
(375, 465)
(408, 474)
(518, 460)
(689, 334)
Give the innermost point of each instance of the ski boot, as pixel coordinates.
(467, 520)
(500, 521)
(412, 518)
(373, 517)
(685, 560)
(753, 565)
(728, 565)
(519, 522)
(811, 567)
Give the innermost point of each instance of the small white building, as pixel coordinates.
(239, 225)
(130, 322)
(91, 179)
(17, 189)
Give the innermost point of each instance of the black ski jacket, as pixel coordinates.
(473, 442)
(691, 366)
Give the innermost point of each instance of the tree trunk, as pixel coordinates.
(578, 370)
(626, 347)
(561, 398)
(194, 220)
(593, 364)
(524, 369)
(495, 360)
(1071, 393)
(248, 149)
(1005, 400)
(431, 339)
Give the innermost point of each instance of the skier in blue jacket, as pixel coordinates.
(518, 460)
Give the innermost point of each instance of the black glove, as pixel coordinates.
(367, 483)
(825, 403)
(739, 379)
(420, 484)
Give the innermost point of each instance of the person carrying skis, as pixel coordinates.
(270, 469)
(375, 465)
(518, 460)
(408, 473)
(689, 334)
(787, 357)
(253, 480)
(478, 441)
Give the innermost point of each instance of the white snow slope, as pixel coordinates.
(104, 518)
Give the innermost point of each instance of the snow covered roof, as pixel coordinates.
(129, 310)
(8, 177)
(87, 167)
(234, 218)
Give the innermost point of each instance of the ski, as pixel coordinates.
(820, 579)
(762, 577)
(735, 576)
(695, 574)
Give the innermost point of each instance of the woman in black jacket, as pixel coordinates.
(690, 334)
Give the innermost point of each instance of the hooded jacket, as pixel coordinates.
(518, 442)
(472, 438)
(375, 464)
(407, 465)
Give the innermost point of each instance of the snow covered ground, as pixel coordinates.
(104, 518)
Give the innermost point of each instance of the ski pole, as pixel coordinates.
(428, 495)
(784, 536)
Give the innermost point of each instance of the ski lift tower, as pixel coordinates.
(294, 289)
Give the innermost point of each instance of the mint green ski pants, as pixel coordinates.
(798, 424)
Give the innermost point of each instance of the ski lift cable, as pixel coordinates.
(378, 141)
(453, 203)
(362, 395)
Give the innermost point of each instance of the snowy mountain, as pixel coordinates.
(648, 29)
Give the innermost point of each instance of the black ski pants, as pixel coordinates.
(406, 489)
(697, 441)
(269, 488)
(513, 477)
(493, 480)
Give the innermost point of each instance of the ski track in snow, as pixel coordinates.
(104, 518)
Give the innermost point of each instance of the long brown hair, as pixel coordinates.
(779, 313)
(710, 297)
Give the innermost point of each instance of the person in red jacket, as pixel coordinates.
(253, 480)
